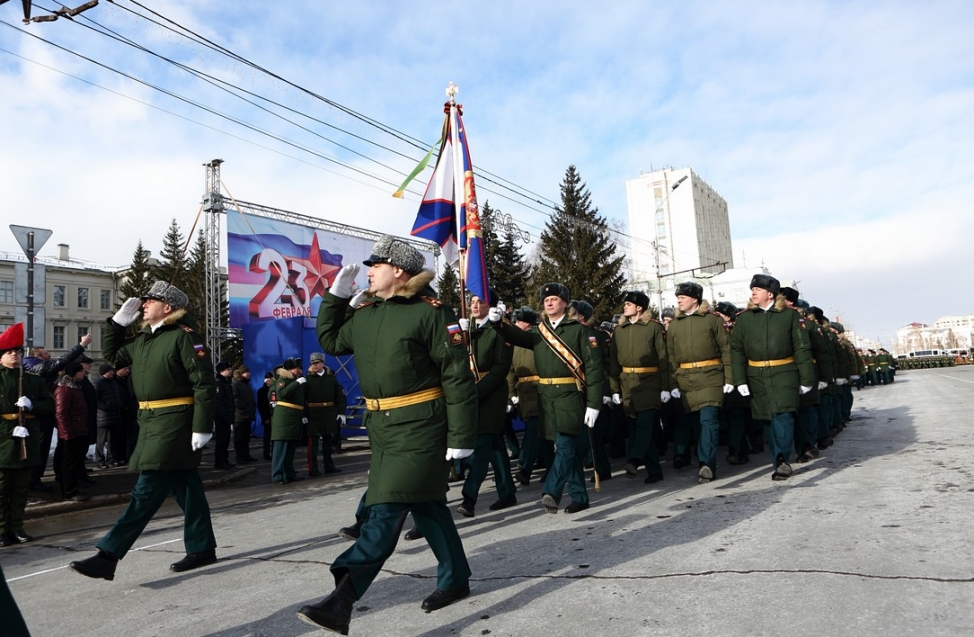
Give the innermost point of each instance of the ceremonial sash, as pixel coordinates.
(564, 354)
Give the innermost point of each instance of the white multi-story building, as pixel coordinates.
(947, 332)
(678, 224)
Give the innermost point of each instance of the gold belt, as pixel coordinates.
(640, 370)
(775, 363)
(319, 404)
(394, 402)
(710, 362)
(528, 379)
(281, 403)
(166, 402)
(15, 416)
(565, 380)
(481, 374)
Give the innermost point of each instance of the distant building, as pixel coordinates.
(679, 222)
(71, 298)
(948, 332)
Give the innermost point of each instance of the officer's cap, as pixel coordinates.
(791, 294)
(727, 309)
(817, 313)
(766, 282)
(291, 363)
(582, 308)
(838, 327)
(691, 289)
(668, 312)
(168, 294)
(397, 252)
(317, 357)
(555, 289)
(526, 314)
(637, 298)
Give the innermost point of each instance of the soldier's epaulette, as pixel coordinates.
(186, 328)
(361, 305)
(657, 321)
(432, 300)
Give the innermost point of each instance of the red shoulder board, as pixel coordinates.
(361, 305)
(432, 300)
(186, 328)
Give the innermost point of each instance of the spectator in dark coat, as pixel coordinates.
(71, 412)
(108, 417)
(223, 416)
(264, 409)
(40, 364)
(244, 412)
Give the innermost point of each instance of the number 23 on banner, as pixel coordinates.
(284, 295)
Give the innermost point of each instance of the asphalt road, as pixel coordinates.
(873, 538)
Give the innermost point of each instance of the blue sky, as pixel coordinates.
(839, 133)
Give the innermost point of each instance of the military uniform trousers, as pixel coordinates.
(709, 433)
(826, 415)
(321, 443)
(642, 442)
(806, 434)
(489, 451)
(600, 436)
(846, 403)
(282, 460)
(568, 468)
(13, 621)
(241, 441)
(380, 533)
(13, 498)
(780, 434)
(150, 491)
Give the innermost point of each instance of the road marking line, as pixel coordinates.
(51, 570)
(963, 380)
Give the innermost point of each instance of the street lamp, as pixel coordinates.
(659, 277)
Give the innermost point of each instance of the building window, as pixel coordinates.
(82, 332)
(106, 299)
(6, 291)
(58, 340)
(82, 298)
(58, 296)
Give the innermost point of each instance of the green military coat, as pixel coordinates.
(324, 388)
(770, 335)
(43, 405)
(823, 359)
(286, 422)
(402, 345)
(563, 406)
(172, 362)
(522, 366)
(692, 338)
(493, 355)
(639, 344)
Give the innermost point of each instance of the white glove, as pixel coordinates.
(464, 324)
(20, 432)
(494, 314)
(510, 408)
(607, 400)
(514, 400)
(24, 402)
(591, 415)
(804, 389)
(200, 440)
(304, 421)
(130, 310)
(841, 381)
(342, 418)
(855, 377)
(502, 307)
(822, 385)
(744, 390)
(359, 296)
(728, 388)
(676, 393)
(302, 380)
(457, 454)
(617, 400)
(665, 396)
(342, 287)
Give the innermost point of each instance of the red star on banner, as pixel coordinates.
(319, 276)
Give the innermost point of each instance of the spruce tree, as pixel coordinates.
(448, 288)
(194, 282)
(172, 260)
(576, 249)
(507, 277)
(137, 278)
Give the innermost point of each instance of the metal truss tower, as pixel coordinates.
(213, 207)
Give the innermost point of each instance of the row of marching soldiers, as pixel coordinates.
(777, 374)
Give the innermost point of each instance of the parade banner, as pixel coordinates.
(278, 269)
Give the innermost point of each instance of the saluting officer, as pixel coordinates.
(569, 363)
(174, 383)
(421, 412)
(639, 376)
(773, 364)
(326, 413)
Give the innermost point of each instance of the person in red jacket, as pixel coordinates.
(71, 415)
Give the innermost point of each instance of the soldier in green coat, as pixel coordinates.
(569, 362)
(538, 444)
(493, 358)
(773, 364)
(174, 383)
(326, 413)
(288, 419)
(421, 413)
(639, 377)
(24, 398)
(583, 312)
(829, 372)
(807, 426)
(699, 359)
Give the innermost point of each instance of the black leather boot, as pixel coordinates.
(99, 566)
(333, 612)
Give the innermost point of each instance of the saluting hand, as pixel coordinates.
(494, 314)
(342, 287)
